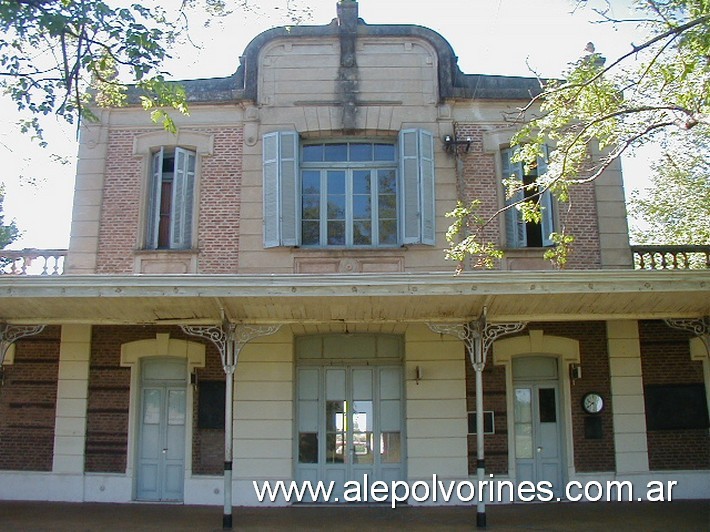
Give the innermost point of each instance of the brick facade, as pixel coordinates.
(109, 396)
(28, 395)
(665, 359)
(218, 182)
(477, 179)
(590, 455)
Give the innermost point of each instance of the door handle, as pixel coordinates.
(539, 449)
(165, 451)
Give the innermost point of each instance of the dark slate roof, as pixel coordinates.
(242, 85)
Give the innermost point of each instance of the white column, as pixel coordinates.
(72, 399)
(628, 409)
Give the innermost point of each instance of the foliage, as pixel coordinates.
(660, 88)
(8, 233)
(67, 57)
(676, 207)
(463, 236)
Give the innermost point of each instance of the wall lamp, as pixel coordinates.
(451, 143)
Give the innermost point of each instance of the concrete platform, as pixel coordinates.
(38, 516)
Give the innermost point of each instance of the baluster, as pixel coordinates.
(45, 265)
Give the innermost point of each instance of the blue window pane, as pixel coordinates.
(361, 152)
(336, 152)
(361, 182)
(336, 233)
(312, 153)
(387, 206)
(310, 233)
(388, 232)
(336, 207)
(361, 207)
(384, 152)
(386, 182)
(362, 234)
(311, 207)
(336, 182)
(310, 182)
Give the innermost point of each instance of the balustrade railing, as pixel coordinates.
(30, 261)
(671, 257)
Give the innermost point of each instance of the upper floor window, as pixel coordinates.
(171, 199)
(348, 193)
(519, 233)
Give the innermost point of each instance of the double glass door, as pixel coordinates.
(349, 424)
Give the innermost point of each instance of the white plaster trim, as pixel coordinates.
(202, 143)
(161, 346)
(537, 343)
(9, 356)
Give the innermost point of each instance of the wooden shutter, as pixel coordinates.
(514, 224)
(153, 212)
(547, 225)
(416, 148)
(426, 165)
(280, 167)
(183, 199)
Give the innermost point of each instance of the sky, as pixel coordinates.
(507, 37)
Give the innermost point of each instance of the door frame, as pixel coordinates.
(324, 351)
(160, 346)
(538, 344)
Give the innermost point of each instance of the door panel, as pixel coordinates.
(349, 424)
(161, 443)
(537, 434)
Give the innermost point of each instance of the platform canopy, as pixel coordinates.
(355, 298)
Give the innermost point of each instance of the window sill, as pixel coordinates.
(165, 261)
(525, 259)
(322, 260)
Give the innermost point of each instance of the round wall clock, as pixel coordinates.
(593, 403)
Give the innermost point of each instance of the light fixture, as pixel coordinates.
(451, 143)
(575, 372)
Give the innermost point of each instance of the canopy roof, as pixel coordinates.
(355, 298)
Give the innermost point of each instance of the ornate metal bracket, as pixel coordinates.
(9, 334)
(699, 327)
(478, 336)
(229, 338)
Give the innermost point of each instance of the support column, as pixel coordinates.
(628, 408)
(478, 336)
(229, 338)
(72, 400)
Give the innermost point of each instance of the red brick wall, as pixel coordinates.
(665, 359)
(109, 395)
(28, 399)
(219, 181)
(478, 180)
(590, 455)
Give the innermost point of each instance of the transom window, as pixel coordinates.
(349, 194)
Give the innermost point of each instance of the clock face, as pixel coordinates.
(592, 403)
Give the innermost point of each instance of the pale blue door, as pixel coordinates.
(161, 438)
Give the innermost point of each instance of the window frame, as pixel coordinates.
(515, 227)
(281, 152)
(182, 214)
(350, 167)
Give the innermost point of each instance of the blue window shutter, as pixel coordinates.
(183, 198)
(154, 188)
(290, 223)
(280, 166)
(514, 225)
(426, 164)
(547, 225)
(416, 148)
